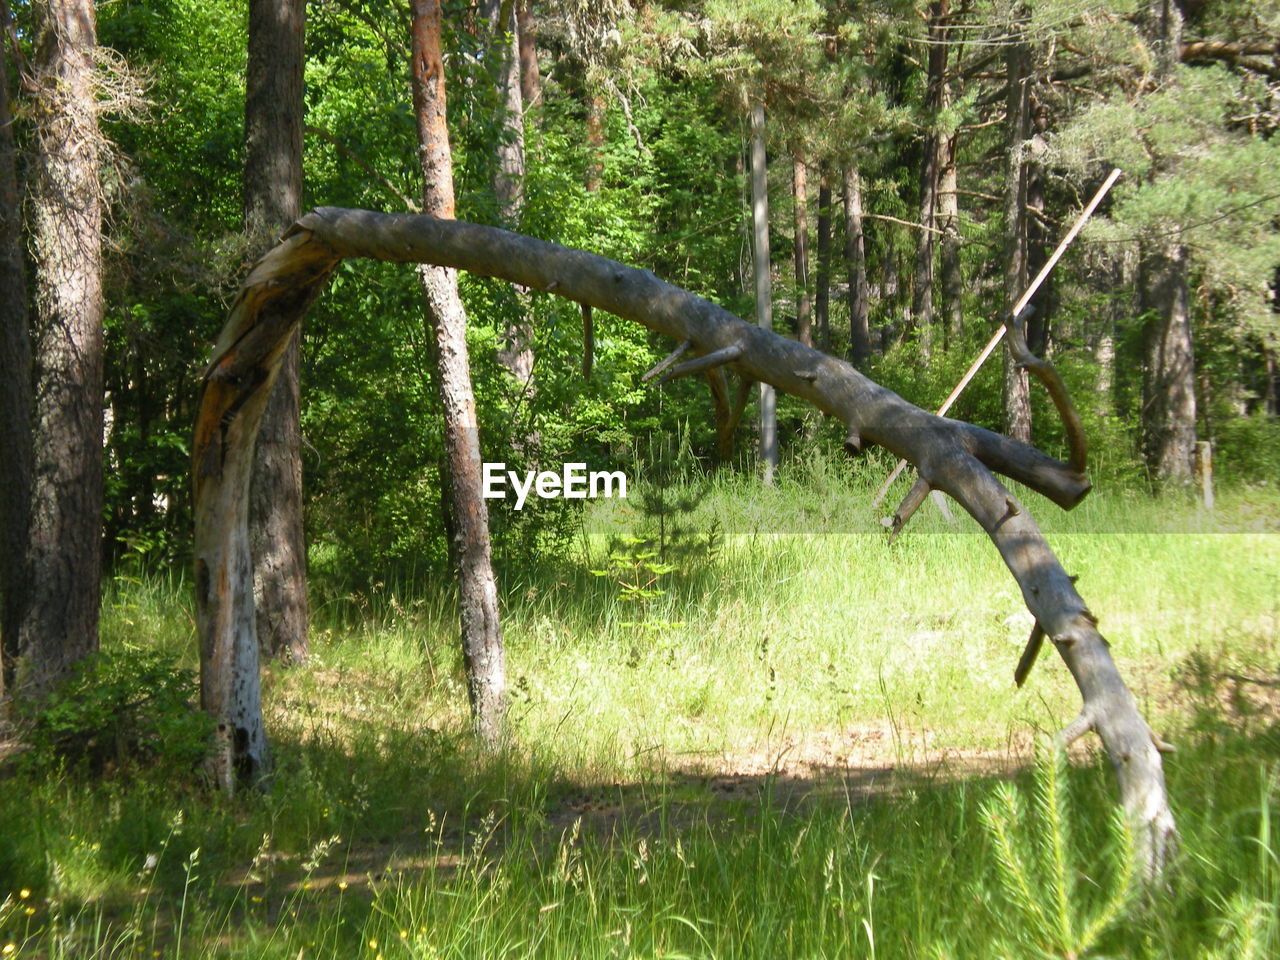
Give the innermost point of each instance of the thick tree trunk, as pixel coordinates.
(530, 77)
(1017, 388)
(272, 200)
(800, 193)
(60, 622)
(15, 390)
(955, 457)
(764, 285)
(1168, 374)
(822, 297)
(855, 259)
(482, 646)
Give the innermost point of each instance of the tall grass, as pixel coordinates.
(797, 744)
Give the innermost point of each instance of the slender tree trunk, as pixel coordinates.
(822, 298)
(855, 258)
(530, 78)
(15, 389)
(800, 191)
(1017, 390)
(273, 200)
(1168, 376)
(482, 645)
(60, 622)
(595, 140)
(949, 224)
(922, 308)
(764, 285)
(516, 352)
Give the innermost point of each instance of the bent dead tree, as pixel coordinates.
(957, 458)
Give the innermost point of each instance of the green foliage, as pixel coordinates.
(123, 709)
(1049, 909)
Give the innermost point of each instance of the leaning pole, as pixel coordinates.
(957, 458)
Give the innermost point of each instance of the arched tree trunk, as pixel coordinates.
(955, 457)
(64, 569)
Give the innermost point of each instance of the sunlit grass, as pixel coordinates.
(783, 750)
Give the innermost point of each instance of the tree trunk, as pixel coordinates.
(595, 140)
(530, 78)
(516, 352)
(822, 298)
(955, 457)
(15, 389)
(800, 191)
(764, 285)
(855, 258)
(1017, 389)
(922, 310)
(482, 646)
(949, 224)
(272, 200)
(64, 569)
(1168, 374)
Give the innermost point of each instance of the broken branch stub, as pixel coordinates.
(957, 458)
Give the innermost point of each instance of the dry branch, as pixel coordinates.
(957, 458)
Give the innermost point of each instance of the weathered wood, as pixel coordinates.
(957, 458)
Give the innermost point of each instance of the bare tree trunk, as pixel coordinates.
(855, 257)
(957, 458)
(764, 284)
(1017, 389)
(15, 389)
(482, 646)
(1168, 374)
(64, 570)
(516, 352)
(949, 224)
(595, 140)
(530, 78)
(800, 191)
(822, 298)
(922, 308)
(272, 200)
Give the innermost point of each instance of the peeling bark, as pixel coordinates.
(955, 457)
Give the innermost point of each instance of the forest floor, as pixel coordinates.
(800, 744)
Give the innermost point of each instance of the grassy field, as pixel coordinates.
(782, 742)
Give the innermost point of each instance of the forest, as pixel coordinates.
(470, 482)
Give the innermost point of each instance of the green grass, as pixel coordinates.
(784, 749)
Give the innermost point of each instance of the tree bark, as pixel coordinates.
(949, 224)
(64, 569)
(1017, 388)
(272, 200)
(15, 389)
(822, 297)
(764, 285)
(800, 193)
(955, 457)
(855, 258)
(595, 140)
(1168, 376)
(482, 645)
(530, 77)
(922, 306)
(516, 352)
